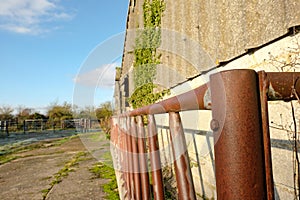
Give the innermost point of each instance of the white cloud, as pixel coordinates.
(30, 16)
(17, 29)
(101, 77)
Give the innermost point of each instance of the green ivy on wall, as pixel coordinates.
(146, 57)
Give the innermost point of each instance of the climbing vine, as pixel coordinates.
(146, 57)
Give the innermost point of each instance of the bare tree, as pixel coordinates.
(6, 112)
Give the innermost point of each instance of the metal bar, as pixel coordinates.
(157, 180)
(124, 161)
(129, 159)
(145, 186)
(281, 83)
(135, 155)
(6, 128)
(183, 172)
(125, 158)
(200, 99)
(263, 88)
(195, 99)
(117, 151)
(24, 126)
(238, 136)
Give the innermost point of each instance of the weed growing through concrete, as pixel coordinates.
(68, 167)
(101, 170)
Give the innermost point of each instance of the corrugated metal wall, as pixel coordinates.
(199, 34)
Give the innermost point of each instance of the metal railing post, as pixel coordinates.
(238, 135)
(183, 172)
(123, 151)
(157, 180)
(263, 88)
(145, 186)
(130, 178)
(124, 157)
(135, 155)
(117, 150)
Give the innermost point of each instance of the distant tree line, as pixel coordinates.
(56, 113)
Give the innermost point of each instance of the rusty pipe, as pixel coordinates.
(184, 178)
(157, 178)
(280, 85)
(145, 186)
(135, 154)
(264, 84)
(238, 136)
(196, 99)
(130, 180)
(200, 97)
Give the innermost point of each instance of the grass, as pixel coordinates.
(101, 170)
(64, 140)
(7, 151)
(96, 136)
(18, 148)
(7, 158)
(107, 159)
(61, 141)
(68, 167)
(104, 170)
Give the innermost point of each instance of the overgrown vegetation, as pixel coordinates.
(146, 57)
(144, 95)
(169, 183)
(102, 170)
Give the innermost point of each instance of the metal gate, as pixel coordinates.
(239, 103)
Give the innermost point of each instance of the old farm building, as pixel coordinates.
(177, 45)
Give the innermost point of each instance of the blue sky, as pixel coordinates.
(58, 50)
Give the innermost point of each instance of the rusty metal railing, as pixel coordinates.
(243, 166)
